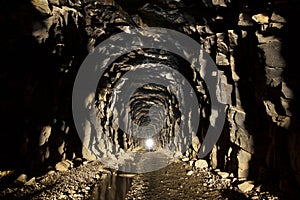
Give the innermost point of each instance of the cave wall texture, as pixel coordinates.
(43, 43)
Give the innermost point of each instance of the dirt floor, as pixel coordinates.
(180, 181)
(91, 181)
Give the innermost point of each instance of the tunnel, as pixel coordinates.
(149, 99)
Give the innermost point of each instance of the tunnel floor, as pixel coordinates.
(181, 181)
(91, 181)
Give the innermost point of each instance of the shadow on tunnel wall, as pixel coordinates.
(35, 93)
(32, 104)
(274, 162)
(19, 57)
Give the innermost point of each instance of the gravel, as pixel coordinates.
(91, 181)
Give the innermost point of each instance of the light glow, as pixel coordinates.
(149, 143)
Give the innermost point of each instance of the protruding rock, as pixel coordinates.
(42, 6)
(287, 92)
(243, 158)
(244, 20)
(31, 181)
(222, 60)
(272, 51)
(278, 18)
(261, 18)
(189, 173)
(195, 143)
(185, 159)
(219, 3)
(54, 2)
(224, 175)
(246, 186)
(201, 164)
(64, 165)
(21, 179)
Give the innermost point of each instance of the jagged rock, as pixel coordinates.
(273, 76)
(219, 3)
(270, 109)
(5, 173)
(185, 159)
(195, 143)
(50, 172)
(286, 105)
(287, 92)
(233, 38)
(238, 132)
(31, 181)
(191, 162)
(243, 158)
(222, 59)
(189, 173)
(45, 134)
(64, 165)
(245, 20)
(280, 120)
(275, 25)
(261, 18)
(283, 121)
(204, 30)
(224, 175)
(201, 164)
(265, 38)
(42, 6)
(257, 79)
(54, 2)
(246, 186)
(278, 18)
(21, 179)
(273, 56)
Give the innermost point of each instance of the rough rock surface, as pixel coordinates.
(44, 42)
(75, 183)
(179, 180)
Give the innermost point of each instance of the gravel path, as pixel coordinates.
(180, 181)
(91, 181)
(75, 183)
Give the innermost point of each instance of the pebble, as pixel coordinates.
(261, 18)
(185, 159)
(64, 165)
(224, 175)
(201, 164)
(51, 172)
(246, 186)
(22, 178)
(31, 181)
(189, 173)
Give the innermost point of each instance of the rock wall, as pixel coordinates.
(44, 42)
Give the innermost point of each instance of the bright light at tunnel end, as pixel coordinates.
(149, 143)
(98, 61)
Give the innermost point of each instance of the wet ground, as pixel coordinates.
(176, 181)
(92, 182)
